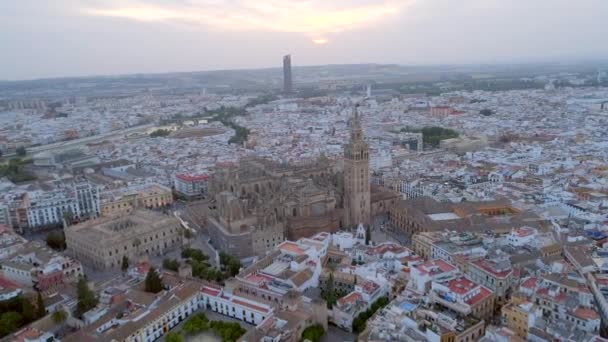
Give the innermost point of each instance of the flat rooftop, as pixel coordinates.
(443, 216)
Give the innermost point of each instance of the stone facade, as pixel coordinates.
(102, 243)
(260, 203)
(357, 207)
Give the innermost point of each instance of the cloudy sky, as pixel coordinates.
(51, 38)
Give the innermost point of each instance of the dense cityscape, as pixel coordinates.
(334, 203)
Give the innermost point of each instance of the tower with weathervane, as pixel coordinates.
(356, 176)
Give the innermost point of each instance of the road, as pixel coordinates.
(335, 334)
(382, 231)
(201, 240)
(63, 145)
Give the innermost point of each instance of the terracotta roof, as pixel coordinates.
(585, 313)
(350, 298)
(482, 295)
(250, 305)
(192, 178)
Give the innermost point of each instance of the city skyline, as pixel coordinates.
(108, 37)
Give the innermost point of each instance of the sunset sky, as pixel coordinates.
(51, 38)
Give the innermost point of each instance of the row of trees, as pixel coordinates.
(432, 135)
(160, 133)
(229, 265)
(19, 311)
(226, 116)
(360, 321)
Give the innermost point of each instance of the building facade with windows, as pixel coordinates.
(103, 242)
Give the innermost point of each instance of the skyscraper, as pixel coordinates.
(287, 80)
(356, 177)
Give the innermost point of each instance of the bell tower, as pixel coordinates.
(356, 176)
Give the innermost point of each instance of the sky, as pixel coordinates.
(57, 38)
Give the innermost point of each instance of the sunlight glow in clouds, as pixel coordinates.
(311, 17)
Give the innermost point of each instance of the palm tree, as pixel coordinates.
(137, 243)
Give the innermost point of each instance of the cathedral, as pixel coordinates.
(259, 203)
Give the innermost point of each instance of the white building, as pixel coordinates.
(522, 236)
(49, 207)
(228, 304)
(191, 186)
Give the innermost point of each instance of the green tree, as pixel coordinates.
(124, 264)
(196, 324)
(56, 240)
(193, 253)
(153, 283)
(160, 133)
(59, 316)
(368, 235)
(188, 235)
(173, 337)
(86, 298)
(230, 263)
(40, 307)
(171, 264)
(9, 322)
(21, 151)
(27, 310)
(328, 291)
(313, 333)
(360, 321)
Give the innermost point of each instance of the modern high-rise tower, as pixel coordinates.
(357, 206)
(287, 79)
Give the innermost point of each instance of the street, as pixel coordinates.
(335, 334)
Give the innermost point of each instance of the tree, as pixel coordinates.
(368, 235)
(196, 324)
(9, 322)
(328, 292)
(125, 263)
(27, 310)
(313, 333)
(195, 254)
(188, 235)
(21, 151)
(160, 133)
(171, 264)
(40, 307)
(86, 298)
(153, 283)
(173, 337)
(59, 316)
(360, 321)
(230, 263)
(56, 240)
